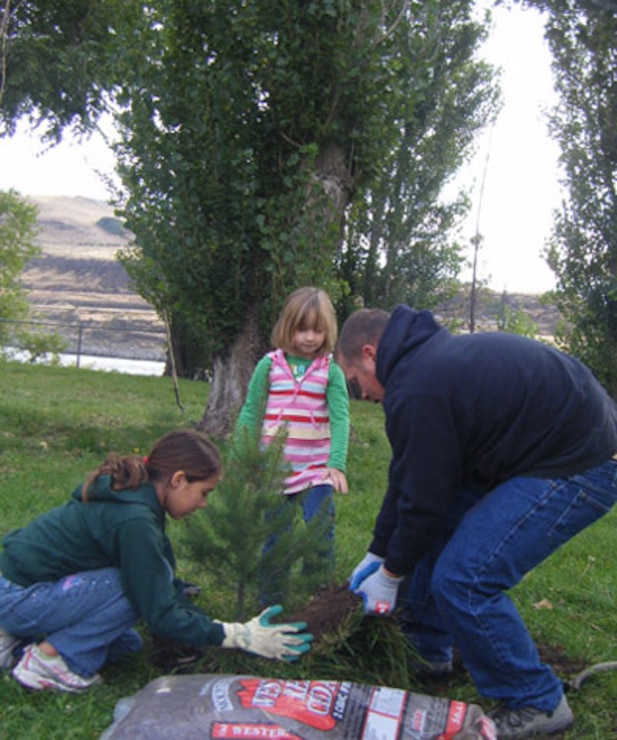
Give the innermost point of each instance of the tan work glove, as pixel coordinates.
(285, 641)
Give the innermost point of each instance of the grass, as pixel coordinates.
(56, 424)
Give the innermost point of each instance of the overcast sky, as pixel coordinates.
(520, 191)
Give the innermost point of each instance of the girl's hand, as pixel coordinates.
(337, 478)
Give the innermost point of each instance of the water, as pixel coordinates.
(115, 364)
(105, 364)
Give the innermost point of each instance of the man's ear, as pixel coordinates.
(369, 352)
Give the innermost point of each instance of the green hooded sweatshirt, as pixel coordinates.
(117, 529)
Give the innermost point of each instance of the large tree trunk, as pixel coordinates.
(231, 371)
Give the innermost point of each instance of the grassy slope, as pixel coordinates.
(57, 423)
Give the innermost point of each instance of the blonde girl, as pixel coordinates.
(305, 392)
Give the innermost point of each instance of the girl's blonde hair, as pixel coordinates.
(305, 308)
(183, 449)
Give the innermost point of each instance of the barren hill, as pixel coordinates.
(78, 282)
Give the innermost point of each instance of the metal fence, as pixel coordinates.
(121, 341)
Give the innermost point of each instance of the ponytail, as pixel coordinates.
(182, 449)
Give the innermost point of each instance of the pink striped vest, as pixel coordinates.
(302, 407)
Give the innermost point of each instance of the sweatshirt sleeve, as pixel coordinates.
(251, 414)
(148, 582)
(424, 473)
(338, 410)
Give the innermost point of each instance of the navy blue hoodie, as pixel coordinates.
(477, 410)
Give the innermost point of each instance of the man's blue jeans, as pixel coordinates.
(457, 592)
(81, 615)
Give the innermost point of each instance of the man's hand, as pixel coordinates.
(365, 567)
(378, 591)
(285, 641)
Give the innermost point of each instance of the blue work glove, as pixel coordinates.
(365, 567)
(378, 591)
(284, 641)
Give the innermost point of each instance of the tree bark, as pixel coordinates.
(231, 371)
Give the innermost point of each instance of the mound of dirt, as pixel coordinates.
(329, 610)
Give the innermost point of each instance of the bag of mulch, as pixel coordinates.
(225, 706)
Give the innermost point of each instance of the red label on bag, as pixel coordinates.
(244, 730)
(309, 702)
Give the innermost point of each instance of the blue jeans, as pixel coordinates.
(314, 502)
(457, 591)
(85, 616)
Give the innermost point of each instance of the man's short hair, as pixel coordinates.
(364, 326)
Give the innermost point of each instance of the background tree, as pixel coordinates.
(250, 135)
(399, 246)
(250, 130)
(58, 60)
(582, 37)
(18, 231)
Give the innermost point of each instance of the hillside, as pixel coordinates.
(77, 281)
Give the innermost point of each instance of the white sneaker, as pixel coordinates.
(38, 671)
(7, 644)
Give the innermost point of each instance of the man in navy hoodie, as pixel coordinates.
(502, 450)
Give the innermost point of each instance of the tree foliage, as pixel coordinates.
(583, 252)
(17, 233)
(248, 511)
(250, 132)
(60, 59)
(263, 146)
(399, 243)
(18, 230)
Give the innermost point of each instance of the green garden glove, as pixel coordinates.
(285, 641)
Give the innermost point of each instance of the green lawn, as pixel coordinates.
(56, 424)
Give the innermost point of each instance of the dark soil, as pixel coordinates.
(328, 611)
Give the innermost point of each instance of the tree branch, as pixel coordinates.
(4, 35)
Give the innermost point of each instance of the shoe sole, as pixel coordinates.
(36, 682)
(32, 679)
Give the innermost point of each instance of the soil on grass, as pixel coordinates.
(330, 610)
(330, 613)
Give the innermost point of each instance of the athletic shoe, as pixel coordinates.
(8, 643)
(530, 722)
(38, 671)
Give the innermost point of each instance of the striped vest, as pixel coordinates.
(301, 405)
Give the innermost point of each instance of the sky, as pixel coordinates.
(513, 180)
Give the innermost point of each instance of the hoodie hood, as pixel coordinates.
(406, 330)
(101, 490)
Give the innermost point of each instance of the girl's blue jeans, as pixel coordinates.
(317, 501)
(85, 616)
(457, 591)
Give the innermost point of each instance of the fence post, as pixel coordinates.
(80, 331)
